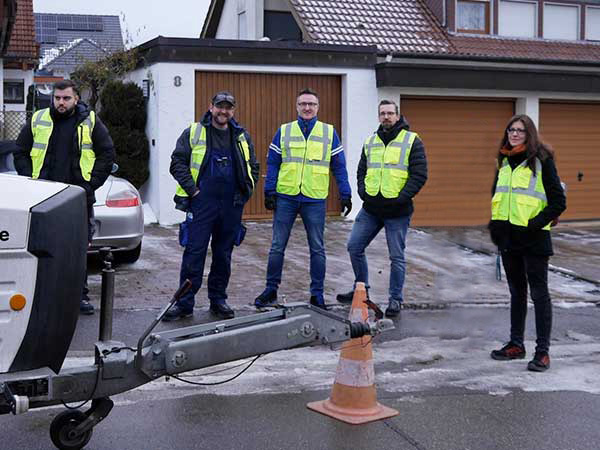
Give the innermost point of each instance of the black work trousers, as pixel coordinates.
(522, 270)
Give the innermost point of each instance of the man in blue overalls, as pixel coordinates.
(215, 167)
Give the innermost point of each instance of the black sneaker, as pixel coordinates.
(267, 298)
(86, 308)
(508, 352)
(540, 362)
(345, 298)
(393, 309)
(176, 313)
(319, 302)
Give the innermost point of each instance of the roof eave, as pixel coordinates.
(212, 19)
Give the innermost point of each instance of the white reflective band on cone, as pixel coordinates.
(355, 373)
(356, 315)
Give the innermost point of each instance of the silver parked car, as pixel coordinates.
(119, 219)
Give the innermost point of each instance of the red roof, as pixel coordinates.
(22, 44)
(409, 27)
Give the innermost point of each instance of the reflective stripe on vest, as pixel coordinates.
(519, 194)
(387, 167)
(198, 146)
(305, 162)
(41, 129)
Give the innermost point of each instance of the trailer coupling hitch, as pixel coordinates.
(360, 329)
(18, 404)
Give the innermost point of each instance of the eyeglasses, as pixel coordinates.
(307, 105)
(519, 131)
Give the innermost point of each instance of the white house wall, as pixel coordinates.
(15, 74)
(171, 110)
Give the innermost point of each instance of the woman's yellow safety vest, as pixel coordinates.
(41, 128)
(198, 145)
(387, 166)
(520, 194)
(305, 162)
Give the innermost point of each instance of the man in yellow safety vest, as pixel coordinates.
(216, 170)
(67, 143)
(300, 157)
(391, 171)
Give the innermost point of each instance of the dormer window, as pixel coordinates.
(473, 16)
(592, 23)
(517, 18)
(561, 21)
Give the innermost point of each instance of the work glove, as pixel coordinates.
(271, 202)
(346, 206)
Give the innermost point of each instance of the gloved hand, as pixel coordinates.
(346, 206)
(271, 202)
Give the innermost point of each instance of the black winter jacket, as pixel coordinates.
(102, 144)
(532, 239)
(180, 164)
(387, 208)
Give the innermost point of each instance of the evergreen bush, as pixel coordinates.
(124, 114)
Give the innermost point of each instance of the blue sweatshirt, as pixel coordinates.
(337, 164)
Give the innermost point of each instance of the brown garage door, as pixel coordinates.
(264, 102)
(573, 130)
(461, 138)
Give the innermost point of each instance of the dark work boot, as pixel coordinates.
(345, 298)
(177, 313)
(267, 298)
(222, 310)
(86, 308)
(393, 309)
(317, 301)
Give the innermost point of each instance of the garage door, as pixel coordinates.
(573, 130)
(264, 102)
(461, 138)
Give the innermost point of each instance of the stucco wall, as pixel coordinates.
(171, 109)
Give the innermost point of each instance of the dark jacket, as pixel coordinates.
(532, 239)
(180, 164)
(101, 141)
(387, 208)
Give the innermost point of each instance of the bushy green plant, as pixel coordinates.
(124, 114)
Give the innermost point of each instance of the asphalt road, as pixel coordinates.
(434, 368)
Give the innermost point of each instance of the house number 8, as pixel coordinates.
(177, 81)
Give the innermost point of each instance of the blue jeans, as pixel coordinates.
(313, 217)
(218, 221)
(366, 227)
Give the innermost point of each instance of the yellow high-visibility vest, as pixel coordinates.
(305, 162)
(387, 166)
(519, 194)
(41, 128)
(198, 145)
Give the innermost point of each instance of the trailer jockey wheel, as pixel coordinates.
(62, 430)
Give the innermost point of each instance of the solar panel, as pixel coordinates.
(65, 22)
(95, 23)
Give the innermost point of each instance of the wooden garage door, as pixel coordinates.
(461, 138)
(573, 130)
(264, 102)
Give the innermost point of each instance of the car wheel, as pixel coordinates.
(129, 256)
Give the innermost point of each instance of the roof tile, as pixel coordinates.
(22, 43)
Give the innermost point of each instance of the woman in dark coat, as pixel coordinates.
(527, 198)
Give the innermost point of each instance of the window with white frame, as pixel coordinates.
(518, 19)
(473, 16)
(592, 23)
(561, 21)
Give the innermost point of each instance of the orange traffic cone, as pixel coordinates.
(353, 398)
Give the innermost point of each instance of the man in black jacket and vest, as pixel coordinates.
(67, 143)
(391, 171)
(216, 170)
